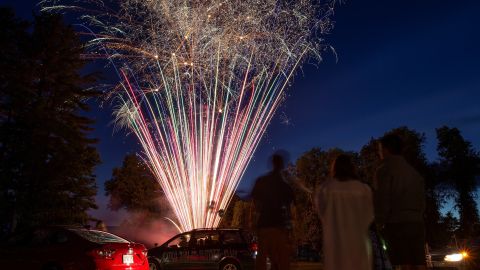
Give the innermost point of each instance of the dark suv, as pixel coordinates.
(219, 249)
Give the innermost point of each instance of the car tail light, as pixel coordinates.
(254, 249)
(254, 246)
(103, 253)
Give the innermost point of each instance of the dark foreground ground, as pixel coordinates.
(306, 266)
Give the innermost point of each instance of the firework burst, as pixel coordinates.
(200, 81)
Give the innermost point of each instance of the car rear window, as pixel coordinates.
(248, 237)
(99, 236)
(232, 237)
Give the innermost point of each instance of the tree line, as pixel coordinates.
(453, 177)
(47, 158)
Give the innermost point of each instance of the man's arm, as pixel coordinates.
(382, 196)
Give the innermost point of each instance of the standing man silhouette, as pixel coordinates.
(272, 197)
(400, 206)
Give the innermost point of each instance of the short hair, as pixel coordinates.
(343, 168)
(278, 162)
(279, 159)
(393, 143)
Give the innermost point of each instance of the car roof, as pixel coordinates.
(202, 230)
(216, 229)
(69, 228)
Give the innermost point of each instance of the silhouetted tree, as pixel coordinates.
(133, 187)
(228, 214)
(450, 226)
(243, 215)
(310, 170)
(460, 165)
(369, 161)
(46, 156)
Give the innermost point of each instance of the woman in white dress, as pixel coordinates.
(345, 208)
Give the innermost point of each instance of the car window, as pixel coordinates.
(232, 237)
(207, 239)
(59, 237)
(41, 237)
(20, 239)
(247, 237)
(180, 241)
(98, 236)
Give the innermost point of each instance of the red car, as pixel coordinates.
(71, 248)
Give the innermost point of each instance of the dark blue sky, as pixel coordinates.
(400, 62)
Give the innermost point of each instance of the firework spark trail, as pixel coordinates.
(201, 81)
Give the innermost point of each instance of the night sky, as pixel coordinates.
(400, 62)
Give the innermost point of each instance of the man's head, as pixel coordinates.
(343, 168)
(277, 162)
(389, 145)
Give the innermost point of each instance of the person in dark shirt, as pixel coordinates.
(272, 197)
(400, 206)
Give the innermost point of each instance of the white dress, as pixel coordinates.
(346, 211)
